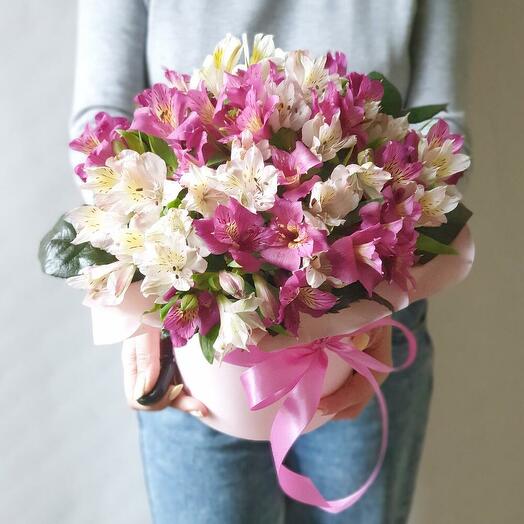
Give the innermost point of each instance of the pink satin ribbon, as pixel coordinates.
(298, 372)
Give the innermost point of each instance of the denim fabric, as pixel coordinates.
(196, 475)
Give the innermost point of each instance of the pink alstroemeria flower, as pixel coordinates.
(293, 164)
(236, 230)
(396, 158)
(201, 317)
(97, 142)
(297, 296)
(439, 132)
(161, 110)
(337, 63)
(292, 237)
(356, 257)
(398, 215)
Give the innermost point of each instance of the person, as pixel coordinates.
(194, 474)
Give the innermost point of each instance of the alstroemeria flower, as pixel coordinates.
(249, 181)
(97, 142)
(323, 139)
(337, 63)
(386, 128)
(297, 296)
(255, 114)
(141, 185)
(105, 284)
(356, 258)
(239, 324)
(292, 110)
(366, 92)
(241, 144)
(168, 263)
(294, 164)
(263, 49)
(333, 199)
(202, 193)
(292, 237)
(370, 178)
(396, 159)
(94, 225)
(224, 58)
(436, 203)
(177, 80)
(161, 110)
(231, 283)
(309, 73)
(236, 230)
(183, 323)
(441, 162)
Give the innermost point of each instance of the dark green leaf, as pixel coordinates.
(61, 258)
(430, 245)
(423, 113)
(163, 150)
(391, 100)
(284, 139)
(207, 341)
(446, 233)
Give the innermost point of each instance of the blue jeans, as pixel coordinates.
(196, 475)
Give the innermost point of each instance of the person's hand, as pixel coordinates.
(141, 366)
(352, 397)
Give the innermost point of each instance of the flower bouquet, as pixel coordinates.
(270, 200)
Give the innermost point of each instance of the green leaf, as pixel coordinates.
(430, 245)
(133, 139)
(446, 233)
(284, 138)
(61, 258)
(423, 113)
(391, 100)
(163, 150)
(207, 341)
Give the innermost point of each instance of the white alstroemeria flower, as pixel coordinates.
(292, 111)
(333, 199)
(318, 270)
(370, 178)
(94, 225)
(141, 182)
(239, 323)
(385, 128)
(439, 163)
(309, 73)
(202, 193)
(263, 49)
(240, 146)
(249, 181)
(168, 263)
(323, 139)
(436, 203)
(224, 58)
(100, 179)
(177, 221)
(105, 284)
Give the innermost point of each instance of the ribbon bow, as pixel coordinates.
(299, 372)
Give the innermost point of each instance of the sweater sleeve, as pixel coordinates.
(110, 67)
(438, 59)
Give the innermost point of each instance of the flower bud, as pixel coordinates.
(231, 283)
(270, 304)
(365, 156)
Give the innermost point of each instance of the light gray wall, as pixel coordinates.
(68, 443)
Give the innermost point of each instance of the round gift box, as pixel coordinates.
(219, 387)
